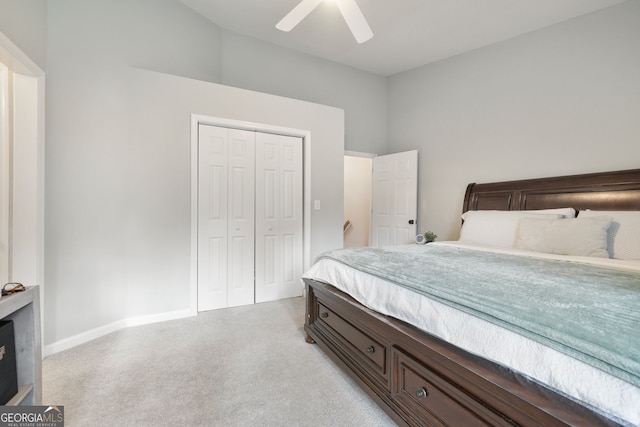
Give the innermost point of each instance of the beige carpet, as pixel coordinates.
(243, 366)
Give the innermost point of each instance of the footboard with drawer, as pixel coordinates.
(421, 380)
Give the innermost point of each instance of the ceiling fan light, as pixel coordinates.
(348, 8)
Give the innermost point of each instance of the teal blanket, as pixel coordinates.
(588, 312)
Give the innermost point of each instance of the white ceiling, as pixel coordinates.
(407, 33)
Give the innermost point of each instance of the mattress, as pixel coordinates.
(602, 392)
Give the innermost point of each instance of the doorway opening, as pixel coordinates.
(392, 195)
(357, 199)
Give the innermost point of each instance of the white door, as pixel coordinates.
(278, 217)
(225, 217)
(394, 199)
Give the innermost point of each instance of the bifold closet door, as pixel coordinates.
(278, 217)
(226, 222)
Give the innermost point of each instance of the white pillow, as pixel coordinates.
(497, 228)
(576, 236)
(624, 233)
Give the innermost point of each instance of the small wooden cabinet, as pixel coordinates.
(23, 308)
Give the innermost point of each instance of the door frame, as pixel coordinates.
(198, 119)
(29, 144)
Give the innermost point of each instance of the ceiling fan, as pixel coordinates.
(350, 12)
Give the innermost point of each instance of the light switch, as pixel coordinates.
(316, 205)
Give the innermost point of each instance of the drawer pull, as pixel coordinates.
(324, 315)
(371, 349)
(421, 393)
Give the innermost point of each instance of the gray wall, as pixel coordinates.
(253, 64)
(562, 100)
(154, 236)
(93, 169)
(117, 197)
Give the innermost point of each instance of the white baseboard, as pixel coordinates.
(87, 336)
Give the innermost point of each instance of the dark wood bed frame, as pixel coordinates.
(419, 379)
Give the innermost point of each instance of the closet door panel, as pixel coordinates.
(226, 192)
(212, 217)
(278, 216)
(268, 240)
(241, 217)
(292, 216)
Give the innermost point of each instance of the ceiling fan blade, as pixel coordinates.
(297, 14)
(355, 20)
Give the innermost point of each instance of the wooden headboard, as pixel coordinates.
(618, 190)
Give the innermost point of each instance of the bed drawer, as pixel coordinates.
(431, 400)
(365, 347)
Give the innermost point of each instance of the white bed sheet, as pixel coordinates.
(609, 395)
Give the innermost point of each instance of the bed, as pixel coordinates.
(431, 352)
